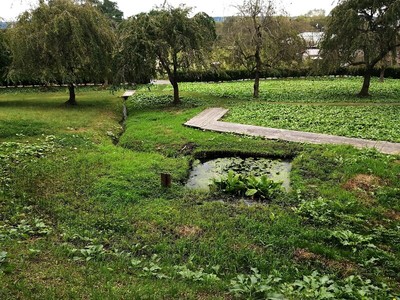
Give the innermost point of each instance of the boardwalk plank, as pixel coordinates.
(209, 120)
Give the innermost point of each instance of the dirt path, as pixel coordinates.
(209, 120)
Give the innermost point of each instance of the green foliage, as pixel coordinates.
(3, 260)
(277, 72)
(251, 186)
(61, 41)
(361, 33)
(389, 197)
(262, 188)
(151, 39)
(377, 122)
(314, 20)
(317, 211)
(90, 192)
(196, 276)
(5, 57)
(110, 9)
(154, 270)
(24, 229)
(88, 253)
(359, 288)
(370, 26)
(3, 257)
(356, 241)
(233, 184)
(13, 154)
(150, 101)
(312, 287)
(22, 128)
(254, 286)
(317, 90)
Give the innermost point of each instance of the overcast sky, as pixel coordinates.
(10, 9)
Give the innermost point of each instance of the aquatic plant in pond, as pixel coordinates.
(259, 188)
(204, 173)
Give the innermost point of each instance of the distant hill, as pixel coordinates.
(3, 25)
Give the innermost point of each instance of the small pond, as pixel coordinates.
(203, 173)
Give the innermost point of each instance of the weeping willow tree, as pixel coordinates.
(166, 40)
(362, 32)
(61, 41)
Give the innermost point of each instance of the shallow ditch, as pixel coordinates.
(205, 170)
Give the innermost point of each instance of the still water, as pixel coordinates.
(203, 173)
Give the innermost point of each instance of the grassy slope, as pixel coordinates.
(89, 192)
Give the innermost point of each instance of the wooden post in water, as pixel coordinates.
(166, 180)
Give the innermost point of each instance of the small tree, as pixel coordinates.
(260, 15)
(61, 41)
(166, 39)
(258, 39)
(361, 32)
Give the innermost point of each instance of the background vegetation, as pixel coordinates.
(80, 212)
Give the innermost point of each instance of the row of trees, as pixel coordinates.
(67, 41)
(70, 41)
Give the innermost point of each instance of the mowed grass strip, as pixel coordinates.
(35, 111)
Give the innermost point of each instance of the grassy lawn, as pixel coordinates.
(81, 217)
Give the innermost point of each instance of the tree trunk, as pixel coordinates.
(256, 91)
(177, 100)
(382, 75)
(367, 81)
(71, 100)
(172, 76)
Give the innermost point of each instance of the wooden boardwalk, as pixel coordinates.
(127, 94)
(209, 120)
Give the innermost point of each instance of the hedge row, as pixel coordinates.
(228, 75)
(4, 82)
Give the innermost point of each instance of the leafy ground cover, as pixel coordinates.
(81, 217)
(318, 89)
(377, 122)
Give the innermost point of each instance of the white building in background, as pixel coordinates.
(312, 40)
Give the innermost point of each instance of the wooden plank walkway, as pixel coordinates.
(209, 120)
(127, 94)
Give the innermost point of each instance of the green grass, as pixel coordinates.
(81, 217)
(33, 113)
